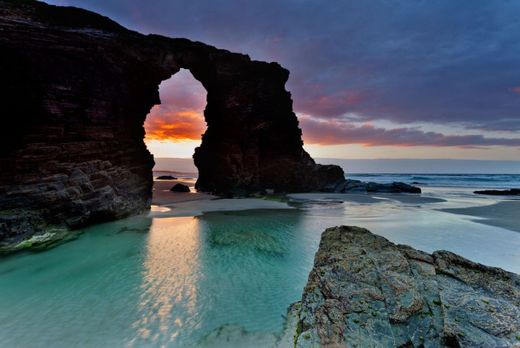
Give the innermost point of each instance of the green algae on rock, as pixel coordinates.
(51, 237)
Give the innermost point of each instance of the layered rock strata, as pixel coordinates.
(76, 88)
(365, 291)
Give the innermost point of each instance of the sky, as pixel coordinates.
(369, 79)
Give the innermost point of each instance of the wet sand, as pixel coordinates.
(169, 204)
(163, 196)
(503, 214)
(364, 198)
(166, 203)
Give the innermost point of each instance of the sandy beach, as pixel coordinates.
(502, 214)
(170, 204)
(166, 203)
(364, 198)
(163, 196)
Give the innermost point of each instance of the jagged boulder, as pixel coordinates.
(365, 291)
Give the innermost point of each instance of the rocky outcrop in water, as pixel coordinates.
(365, 291)
(166, 177)
(510, 192)
(76, 88)
(352, 186)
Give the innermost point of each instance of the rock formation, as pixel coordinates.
(166, 177)
(180, 188)
(350, 186)
(76, 88)
(365, 291)
(510, 192)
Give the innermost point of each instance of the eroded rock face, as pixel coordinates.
(365, 291)
(76, 88)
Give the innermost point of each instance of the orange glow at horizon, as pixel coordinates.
(174, 126)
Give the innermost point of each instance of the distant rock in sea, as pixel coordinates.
(180, 188)
(361, 186)
(510, 192)
(365, 291)
(166, 177)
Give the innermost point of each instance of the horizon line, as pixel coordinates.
(384, 159)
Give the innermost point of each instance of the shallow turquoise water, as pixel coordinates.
(179, 281)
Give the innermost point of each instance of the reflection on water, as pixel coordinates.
(202, 281)
(170, 272)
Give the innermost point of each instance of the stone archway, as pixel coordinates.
(253, 141)
(175, 127)
(76, 89)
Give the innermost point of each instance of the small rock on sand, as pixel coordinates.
(180, 188)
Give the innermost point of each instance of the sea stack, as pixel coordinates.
(77, 87)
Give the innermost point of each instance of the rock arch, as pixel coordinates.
(75, 92)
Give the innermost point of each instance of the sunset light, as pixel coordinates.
(259, 173)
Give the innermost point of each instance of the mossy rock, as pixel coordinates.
(52, 237)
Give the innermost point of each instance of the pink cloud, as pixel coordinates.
(335, 132)
(330, 105)
(180, 114)
(179, 125)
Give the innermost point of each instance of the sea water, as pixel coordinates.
(220, 279)
(477, 181)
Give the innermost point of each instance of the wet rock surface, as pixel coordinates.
(76, 88)
(365, 291)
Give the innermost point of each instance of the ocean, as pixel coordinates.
(433, 173)
(226, 278)
(476, 181)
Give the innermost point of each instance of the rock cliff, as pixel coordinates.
(76, 88)
(365, 291)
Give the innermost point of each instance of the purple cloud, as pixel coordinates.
(334, 132)
(444, 62)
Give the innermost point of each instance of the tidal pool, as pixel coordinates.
(220, 279)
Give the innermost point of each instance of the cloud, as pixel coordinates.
(334, 132)
(443, 62)
(332, 105)
(180, 114)
(175, 126)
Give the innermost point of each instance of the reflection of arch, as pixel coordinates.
(79, 87)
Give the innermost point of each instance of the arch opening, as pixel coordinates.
(174, 128)
(80, 157)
